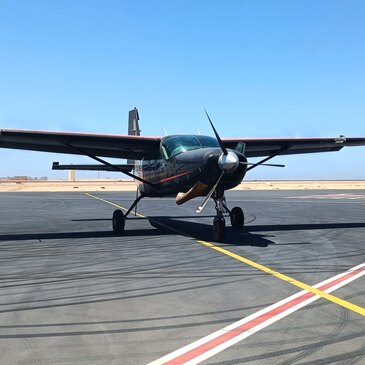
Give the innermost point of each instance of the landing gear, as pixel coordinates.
(119, 218)
(118, 222)
(236, 216)
(219, 229)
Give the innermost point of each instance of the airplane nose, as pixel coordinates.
(229, 162)
(215, 162)
(210, 165)
(233, 164)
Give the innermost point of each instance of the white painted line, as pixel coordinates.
(218, 341)
(349, 196)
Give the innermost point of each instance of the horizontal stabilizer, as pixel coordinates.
(118, 168)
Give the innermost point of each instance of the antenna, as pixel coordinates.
(164, 129)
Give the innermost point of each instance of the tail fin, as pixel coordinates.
(133, 126)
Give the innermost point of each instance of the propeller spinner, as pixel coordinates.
(229, 162)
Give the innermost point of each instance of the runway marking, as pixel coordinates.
(220, 340)
(288, 279)
(349, 196)
(348, 305)
(212, 344)
(114, 205)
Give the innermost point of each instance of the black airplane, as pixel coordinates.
(184, 166)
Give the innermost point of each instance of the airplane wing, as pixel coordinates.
(102, 145)
(138, 147)
(257, 147)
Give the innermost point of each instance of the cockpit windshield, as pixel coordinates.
(174, 145)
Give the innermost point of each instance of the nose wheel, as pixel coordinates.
(219, 226)
(219, 229)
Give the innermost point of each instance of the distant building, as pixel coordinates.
(71, 175)
(43, 178)
(24, 178)
(21, 178)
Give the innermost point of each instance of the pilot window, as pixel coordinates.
(175, 145)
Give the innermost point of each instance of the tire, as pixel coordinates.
(118, 222)
(219, 229)
(237, 218)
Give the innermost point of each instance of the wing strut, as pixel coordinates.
(283, 149)
(114, 167)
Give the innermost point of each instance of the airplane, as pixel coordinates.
(183, 166)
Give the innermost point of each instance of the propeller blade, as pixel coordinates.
(224, 150)
(201, 207)
(262, 164)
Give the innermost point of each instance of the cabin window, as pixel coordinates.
(174, 145)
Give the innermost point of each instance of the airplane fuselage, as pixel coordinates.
(181, 171)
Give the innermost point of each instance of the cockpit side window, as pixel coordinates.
(164, 151)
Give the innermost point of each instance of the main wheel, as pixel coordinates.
(118, 222)
(237, 218)
(219, 229)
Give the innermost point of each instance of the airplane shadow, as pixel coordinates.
(131, 217)
(77, 235)
(203, 231)
(250, 236)
(300, 227)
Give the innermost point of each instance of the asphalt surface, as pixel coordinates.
(73, 293)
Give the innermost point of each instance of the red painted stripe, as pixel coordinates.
(175, 176)
(192, 354)
(237, 331)
(341, 279)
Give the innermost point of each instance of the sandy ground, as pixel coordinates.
(125, 185)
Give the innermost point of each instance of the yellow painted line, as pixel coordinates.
(138, 215)
(288, 279)
(114, 205)
(343, 303)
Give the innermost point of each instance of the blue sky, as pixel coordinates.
(260, 68)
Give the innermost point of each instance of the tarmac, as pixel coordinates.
(114, 185)
(71, 292)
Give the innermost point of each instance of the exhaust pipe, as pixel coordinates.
(199, 189)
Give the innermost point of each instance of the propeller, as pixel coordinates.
(224, 149)
(261, 164)
(205, 201)
(228, 161)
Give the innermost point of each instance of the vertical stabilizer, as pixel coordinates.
(133, 126)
